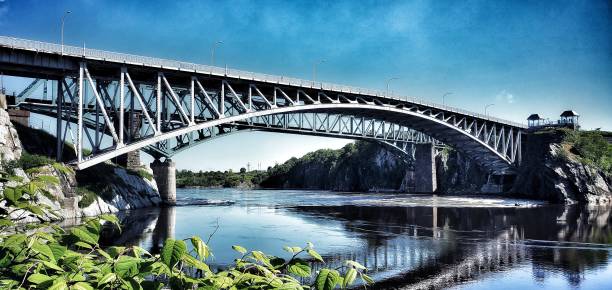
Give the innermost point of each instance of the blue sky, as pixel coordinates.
(523, 56)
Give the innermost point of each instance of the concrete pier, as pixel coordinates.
(165, 177)
(425, 168)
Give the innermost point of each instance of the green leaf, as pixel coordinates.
(349, 277)
(110, 277)
(327, 279)
(37, 278)
(200, 247)
(53, 266)
(111, 218)
(59, 284)
(83, 245)
(367, 279)
(299, 268)
(81, 286)
(355, 265)
(12, 195)
(104, 254)
(239, 249)
(6, 223)
(58, 250)
(172, 252)
(260, 256)
(43, 250)
(195, 263)
(84, 236)
(315, 255)
(126, 266)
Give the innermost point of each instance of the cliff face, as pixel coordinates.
(457, 174)
(551, 171)
(356, 167)
(367, 166)
(104, 188)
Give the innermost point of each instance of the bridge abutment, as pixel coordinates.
(425, 168)
(165, 177)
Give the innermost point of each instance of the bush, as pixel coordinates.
(28, 160)
(593, 149)
(87, 196)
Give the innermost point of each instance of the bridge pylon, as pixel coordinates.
(165, 177)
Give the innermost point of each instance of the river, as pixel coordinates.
(406, 241)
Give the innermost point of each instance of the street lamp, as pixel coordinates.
(444, 97)
(314, 69)
(388, 81)
(486, 107)
(212, 52)
(62, 30)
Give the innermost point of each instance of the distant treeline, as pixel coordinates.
(188, 178)
(357, 166)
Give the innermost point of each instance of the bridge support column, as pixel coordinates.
(165, 177)
(425, 168)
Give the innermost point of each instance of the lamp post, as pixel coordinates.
(388, 81)
(62, 29)
(212, 52)
(314, 69)
(444, 97)
(486, 107)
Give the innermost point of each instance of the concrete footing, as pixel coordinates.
(165, 177)
(425, 168)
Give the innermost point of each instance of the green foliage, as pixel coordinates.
(591, 147)
(51, 258)
(186, 178)
(87, 196)
(142, 173)
(28, 160)
(62, 168)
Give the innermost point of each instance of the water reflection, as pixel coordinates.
(414, 247)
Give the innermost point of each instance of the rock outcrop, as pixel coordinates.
(104, 188)
(457, 174)
(10, 145)
(550, 171)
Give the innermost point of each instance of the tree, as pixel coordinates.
(242, 170)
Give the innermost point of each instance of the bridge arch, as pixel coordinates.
(175, 99)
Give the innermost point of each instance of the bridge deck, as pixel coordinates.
(158, 63)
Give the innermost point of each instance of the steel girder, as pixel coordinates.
(171, 103)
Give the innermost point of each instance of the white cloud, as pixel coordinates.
(505, 96)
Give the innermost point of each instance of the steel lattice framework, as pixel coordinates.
(121, 103)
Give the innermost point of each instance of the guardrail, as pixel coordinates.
(95, 54)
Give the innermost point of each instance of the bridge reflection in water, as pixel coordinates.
(429, 247)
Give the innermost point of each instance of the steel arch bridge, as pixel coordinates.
(122, 103)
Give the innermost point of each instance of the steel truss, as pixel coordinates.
(121, 107)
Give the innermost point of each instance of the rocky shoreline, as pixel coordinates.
(115, 188)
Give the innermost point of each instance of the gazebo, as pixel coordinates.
(534, 120)
(569, 117)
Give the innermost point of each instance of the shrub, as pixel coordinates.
(87, 196)
(28, 160)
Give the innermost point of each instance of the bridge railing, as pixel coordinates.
(219, 71)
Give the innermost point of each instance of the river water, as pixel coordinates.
(406, 241)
